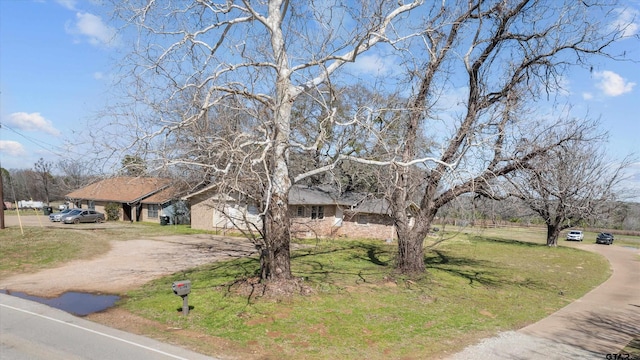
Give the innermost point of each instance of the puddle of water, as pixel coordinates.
(80, 304)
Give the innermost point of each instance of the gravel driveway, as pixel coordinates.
(602, 322)
(128, 265)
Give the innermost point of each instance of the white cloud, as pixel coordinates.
(98, 75)
(12, 148)
(32, 122)
(374, 64)
(93, 29)
(612, 84)
(587, 96)
(69, 4)
(627, 22)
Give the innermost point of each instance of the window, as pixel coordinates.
(300, 212)
(363, 219)
(152, 211)
(317, 212)
(91, 204)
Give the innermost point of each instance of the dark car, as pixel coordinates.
(604, 238)
(77, 216)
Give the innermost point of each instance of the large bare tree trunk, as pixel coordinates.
(277, 234)
(278, 264)
(411, 249)
(552, 235)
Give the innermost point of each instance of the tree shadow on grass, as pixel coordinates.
(477, 272)
(368, 260)
(333, 264)
(527, 244)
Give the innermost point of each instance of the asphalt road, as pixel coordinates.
(33, 331)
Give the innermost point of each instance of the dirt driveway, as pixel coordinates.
(128, 264)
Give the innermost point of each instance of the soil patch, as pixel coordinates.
(130, 264)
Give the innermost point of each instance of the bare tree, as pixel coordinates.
(193, 58)
(74, 174)
(42, 170)
(504, 55)
(571, 183)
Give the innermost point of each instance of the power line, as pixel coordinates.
(53, 149)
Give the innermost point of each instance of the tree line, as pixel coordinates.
(45, 181)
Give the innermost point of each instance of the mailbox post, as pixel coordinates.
(182, 289)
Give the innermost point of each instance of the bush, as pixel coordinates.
(113, 211)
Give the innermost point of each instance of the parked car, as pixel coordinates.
(604, 238)
(77, 216)
(575, 235)
(58, 216)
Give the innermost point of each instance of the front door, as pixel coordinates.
(126, 212)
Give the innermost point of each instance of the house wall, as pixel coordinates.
(338, 224)
(98, 205)
(145, 213)
(209, 214)
(305, 227)
(377, 226)
(206, 215)
(202, 212)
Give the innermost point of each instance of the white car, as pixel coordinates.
(575, 235)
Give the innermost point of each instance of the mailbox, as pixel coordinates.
(181, 288)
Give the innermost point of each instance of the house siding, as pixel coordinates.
(145, 213)
(305, 226)
(202, 213)
(378, 226)
(338, 221)
(206, 214)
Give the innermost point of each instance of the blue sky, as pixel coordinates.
(56, 60)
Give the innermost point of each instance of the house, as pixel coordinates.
(139, 198)
(211, 209)
(166, 203)
(371, 218)
(314, 212)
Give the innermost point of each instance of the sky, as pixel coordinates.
(56, 59)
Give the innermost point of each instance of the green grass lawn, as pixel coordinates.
(360, 308)
(39, 248)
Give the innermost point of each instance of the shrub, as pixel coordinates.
(113, 211)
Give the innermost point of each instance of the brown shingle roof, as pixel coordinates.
(120, 189)
(163, 196)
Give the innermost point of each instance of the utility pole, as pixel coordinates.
(1, 197)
